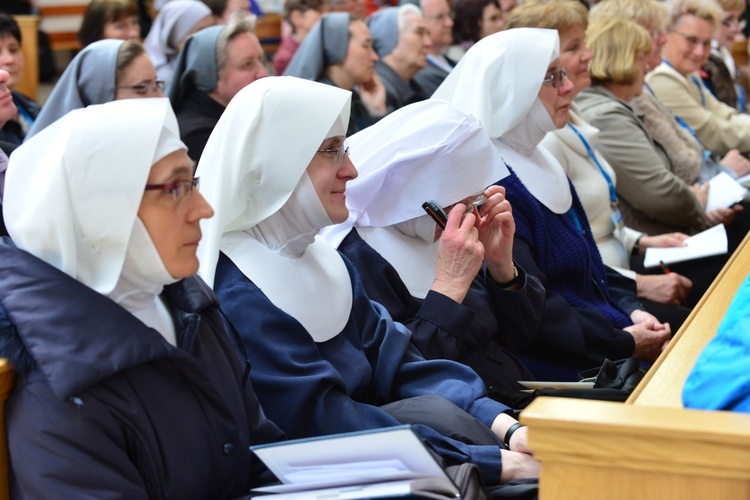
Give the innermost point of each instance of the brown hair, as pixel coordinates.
(100, 12)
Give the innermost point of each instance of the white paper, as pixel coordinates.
(348, 460)
(706, 244)
(724, 192)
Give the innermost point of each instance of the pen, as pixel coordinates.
(664, 267)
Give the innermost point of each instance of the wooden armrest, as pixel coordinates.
(592, 449)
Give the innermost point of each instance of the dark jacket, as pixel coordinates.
(12, 131)
(479, 332)
(197, 116)
(104, 407)
(398, 93)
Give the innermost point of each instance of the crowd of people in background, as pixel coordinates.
(159, 326)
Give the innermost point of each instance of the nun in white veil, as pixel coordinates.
(513, 83)
(325, 358)
(456, 306)
(103, 320)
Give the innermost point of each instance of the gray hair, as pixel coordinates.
(403, 11)
(240, 22)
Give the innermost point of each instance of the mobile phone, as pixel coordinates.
(436, 212)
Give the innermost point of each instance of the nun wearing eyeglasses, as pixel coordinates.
(104, 71)
(458, 289)
(128, 383)
(590, 312)
(325, 359)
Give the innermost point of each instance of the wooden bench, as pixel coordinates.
(29, 84)
(650, 447)
(61, 20)
(7, 379)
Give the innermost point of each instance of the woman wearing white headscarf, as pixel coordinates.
(129, 384)
(338, 51)
(104, 71)
(173, 25)
(455, 306)
(317, 344)
(586, 317)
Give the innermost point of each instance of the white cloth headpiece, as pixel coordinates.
(498, 81)
(427, 150)
(73, 193)
(253, 172)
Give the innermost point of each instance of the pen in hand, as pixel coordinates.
(664, 267)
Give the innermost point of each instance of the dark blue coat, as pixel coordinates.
(312, 389)
(583, 318)
(104, 407)
(480, 332)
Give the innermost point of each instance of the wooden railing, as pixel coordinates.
(29, 84)
(650, 447)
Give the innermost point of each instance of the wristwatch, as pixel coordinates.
(512, 281)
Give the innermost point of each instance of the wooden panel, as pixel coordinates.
(268, 31)
(61, 20)
(29, 84)
(595, 449)
(663, 384)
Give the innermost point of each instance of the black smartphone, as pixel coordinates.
(436, 212)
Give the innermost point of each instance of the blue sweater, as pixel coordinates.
(581, 324)
(313, 389)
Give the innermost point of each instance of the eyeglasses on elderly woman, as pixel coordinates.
(179, 189)
(557, 78)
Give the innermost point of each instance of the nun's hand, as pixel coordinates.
(496, 228)
(460, 255)
(372, 93)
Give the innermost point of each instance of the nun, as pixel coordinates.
(173, 25)
(104, 71)
(325, 358)
(462, 296)
(129, 384)
(338, 51)
(514, 84)
(213, 65)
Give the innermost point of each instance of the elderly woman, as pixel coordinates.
(103, 19)
(11, 60)
(653, 198)
(106, 70)
(574, 146)
(582, 322)
(338, 51)
(315, 340)
(173, 25)
(129, 384)
(462, 297)
(213, 65)
(677, 82)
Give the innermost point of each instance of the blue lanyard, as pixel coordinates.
(590, 151)
(695, 81)
(682, 123)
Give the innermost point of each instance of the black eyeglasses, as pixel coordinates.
(145, 88)
(339, 152)
(178, 188)
(557, 78)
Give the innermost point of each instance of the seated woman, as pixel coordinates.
(315, 340)
(462, 297)
(12, 61)
(677, 83)
(129, 384)
(173, 25)
(106, 70)
(582, 322)
(653, 198)
(103, 19)
(720, 72)
(338, 51)
(472, 21)
(574, 146)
